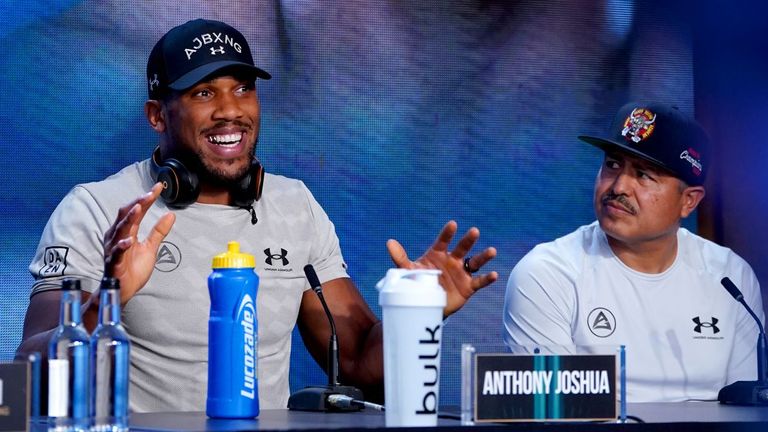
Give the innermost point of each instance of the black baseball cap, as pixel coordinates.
(661, 134)
(192, 51)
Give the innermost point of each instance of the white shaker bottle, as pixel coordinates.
(412, 303)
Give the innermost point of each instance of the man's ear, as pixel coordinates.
(153, 109)
(692, 196)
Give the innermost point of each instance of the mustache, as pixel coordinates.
(621, 199)
(238, 123)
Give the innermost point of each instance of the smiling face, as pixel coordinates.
(636, 202)
(214, 124)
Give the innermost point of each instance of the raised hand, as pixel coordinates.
(457, 277)
(127, 258)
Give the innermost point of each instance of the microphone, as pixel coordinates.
(333, 343)
(748, 392)
(326, 398)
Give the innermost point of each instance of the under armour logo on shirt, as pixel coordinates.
(712, 325)
(281, 256)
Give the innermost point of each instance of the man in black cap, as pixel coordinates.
(635, 277)
(204, 107)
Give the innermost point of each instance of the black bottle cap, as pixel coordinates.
(70, 284)
(109, 282)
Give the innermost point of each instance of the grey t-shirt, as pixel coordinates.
(167, 320)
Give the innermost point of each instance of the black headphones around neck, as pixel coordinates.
(181, 186)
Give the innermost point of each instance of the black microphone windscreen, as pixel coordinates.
(312, 278)
(732, 289)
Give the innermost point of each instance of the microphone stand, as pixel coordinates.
(315, 398)
(748, 392)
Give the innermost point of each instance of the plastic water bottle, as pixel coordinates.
(233, 336)
(68, 356)
(110, 360)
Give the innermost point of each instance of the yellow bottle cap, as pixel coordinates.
(233, 258)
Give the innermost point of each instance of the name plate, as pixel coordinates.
(545, 387)
(14, 396)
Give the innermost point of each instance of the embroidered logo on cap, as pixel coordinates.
(639, 125)
(692, 156)
(154, 82)
(211, 38)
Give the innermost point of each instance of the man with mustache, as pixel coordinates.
(203, 105)
(635, 277)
